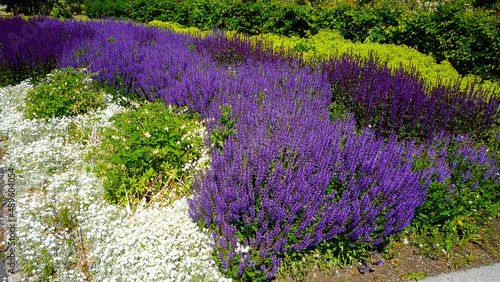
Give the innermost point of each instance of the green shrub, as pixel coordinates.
(470, 40)
(66, 92)
(106, 8)
(433, 73)
(64, 9)
(28, 7)
(148, 152)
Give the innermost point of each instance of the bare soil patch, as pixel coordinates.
(407, 262)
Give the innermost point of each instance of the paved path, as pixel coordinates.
(490, 273)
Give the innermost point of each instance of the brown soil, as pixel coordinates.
(404, 262)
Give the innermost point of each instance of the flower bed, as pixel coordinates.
(291, 168)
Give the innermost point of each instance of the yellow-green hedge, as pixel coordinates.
(331, 43)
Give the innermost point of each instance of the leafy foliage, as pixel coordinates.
(468, 40)
(29, 7)
(220, 135)
(145, 152)
(67, 92)
(65, 9)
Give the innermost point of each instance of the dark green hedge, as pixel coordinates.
(106, 8)
(469, 40)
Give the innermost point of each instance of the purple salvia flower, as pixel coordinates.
(241, 268)
(474, 186)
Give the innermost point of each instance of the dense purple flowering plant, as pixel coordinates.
(22, 52)
(399, 102)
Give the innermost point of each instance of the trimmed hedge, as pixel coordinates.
(469, 40)
(106, 8)
(332, 43)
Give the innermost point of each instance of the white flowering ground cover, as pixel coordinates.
(55, 187)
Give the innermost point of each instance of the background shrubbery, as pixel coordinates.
(107, 8)
(468, 39)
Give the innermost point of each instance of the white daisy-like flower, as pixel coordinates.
(53, 179)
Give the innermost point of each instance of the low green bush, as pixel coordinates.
(66, 92)
(176, 27)
(148, 152)
(106, 8)
(469, 40)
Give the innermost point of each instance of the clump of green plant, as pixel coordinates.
(414, 276)
(66, 92)
(63, 10)
(470, 191)
(148, 153)
(328, 255)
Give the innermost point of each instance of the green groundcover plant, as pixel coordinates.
(66, 92)
(146, 151)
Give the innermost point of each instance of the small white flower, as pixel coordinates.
(147, 134)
